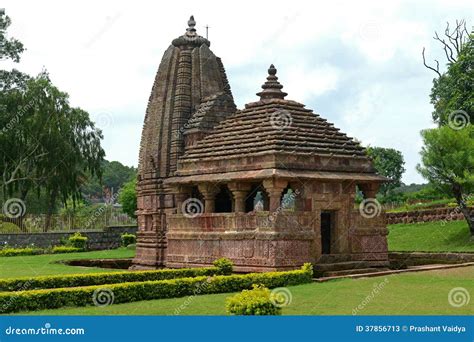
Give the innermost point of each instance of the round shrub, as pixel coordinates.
(224, 265)
(78, 241)
(257, 301)
(128, 239)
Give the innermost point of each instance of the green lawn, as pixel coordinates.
(453, 236)
(420, 293)
(37, 265)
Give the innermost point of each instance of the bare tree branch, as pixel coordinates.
(429, 67)
(446, 47)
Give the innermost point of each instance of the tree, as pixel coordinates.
(114, 176)
(452, 94)
(448, 163)
(128, 198)
(12, 101)
(389, 163)
(44, 142)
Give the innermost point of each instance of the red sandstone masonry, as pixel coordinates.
(430, 215)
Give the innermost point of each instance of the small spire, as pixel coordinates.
(191, 23)
(272, 88)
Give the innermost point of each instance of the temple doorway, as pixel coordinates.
(327, 222)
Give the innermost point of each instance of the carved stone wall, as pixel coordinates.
(189, 72)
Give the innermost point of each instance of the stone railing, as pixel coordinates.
(438, 214)
(235, 222)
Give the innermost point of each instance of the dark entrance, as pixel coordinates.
(223, 201)
(326, 223)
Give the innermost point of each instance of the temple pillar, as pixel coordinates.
(181, 194)
(274, 188)
(209, 192)
(239, 192)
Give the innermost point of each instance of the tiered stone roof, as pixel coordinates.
(278, 127)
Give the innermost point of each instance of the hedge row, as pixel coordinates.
(10, 252)
(73, 280)
(137, 291)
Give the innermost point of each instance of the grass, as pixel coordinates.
(452, 236)
(419, 293)
(38, 265)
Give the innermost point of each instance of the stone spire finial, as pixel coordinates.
(190, 38)
(272, 88)
(191, 23)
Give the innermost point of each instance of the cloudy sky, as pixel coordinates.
(357, 63)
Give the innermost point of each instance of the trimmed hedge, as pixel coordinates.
(78, 241)
(137, 291)
(9, 252)
(65, 249)
(73, 280)
(128, 239)
(257, 301)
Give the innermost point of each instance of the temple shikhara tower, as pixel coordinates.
(270, 187)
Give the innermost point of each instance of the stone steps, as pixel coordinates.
(333, 258)
(354, 271)
(339, 266)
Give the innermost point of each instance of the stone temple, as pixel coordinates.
(270, 187)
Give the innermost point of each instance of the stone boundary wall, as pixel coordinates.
(98, 239)
(405, 259)
(429, 215)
